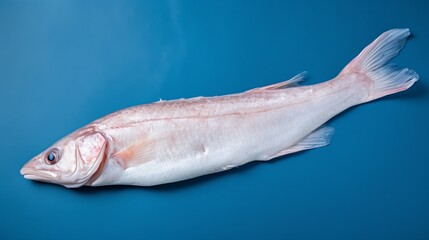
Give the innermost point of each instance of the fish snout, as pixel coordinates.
(28, 167)
(32, 170)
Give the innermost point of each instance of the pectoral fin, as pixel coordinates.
(138, 153)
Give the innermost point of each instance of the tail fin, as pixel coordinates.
(373, 62)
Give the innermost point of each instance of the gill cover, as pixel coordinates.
(90, 153)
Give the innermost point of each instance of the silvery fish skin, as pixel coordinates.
(170, 141)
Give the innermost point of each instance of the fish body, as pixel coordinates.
(188, 138)
(170, 141)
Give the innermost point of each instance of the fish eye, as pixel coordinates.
(52, 156)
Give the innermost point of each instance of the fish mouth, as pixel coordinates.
(38, 175)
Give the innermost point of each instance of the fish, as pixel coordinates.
(176, 140)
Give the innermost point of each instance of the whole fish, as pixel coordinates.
(170, 141)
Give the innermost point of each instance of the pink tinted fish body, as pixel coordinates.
(182, 139)
(170, 141)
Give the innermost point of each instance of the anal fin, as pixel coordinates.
(318, 138)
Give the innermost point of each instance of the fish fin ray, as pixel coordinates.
(140, 152)
(318, 138)
(373, 64)
(293, 82)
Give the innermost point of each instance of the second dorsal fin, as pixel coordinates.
(293, 82)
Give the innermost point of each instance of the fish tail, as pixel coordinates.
(373, 65)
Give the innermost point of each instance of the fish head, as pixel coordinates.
(70, 162)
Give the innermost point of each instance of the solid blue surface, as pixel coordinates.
(64, 64)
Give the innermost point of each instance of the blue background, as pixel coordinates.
(66, 63)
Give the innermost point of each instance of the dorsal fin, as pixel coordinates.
(293, 82)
